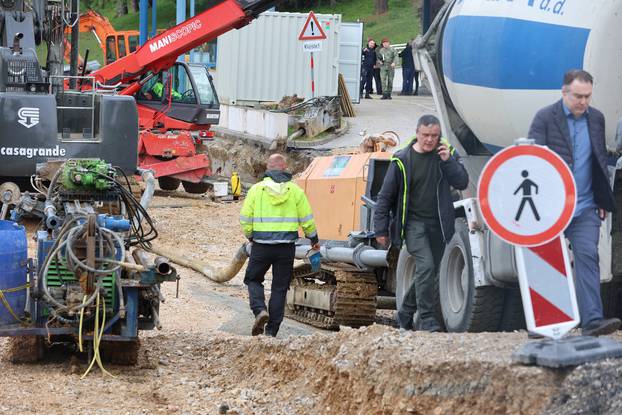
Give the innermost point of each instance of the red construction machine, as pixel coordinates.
(175, 98)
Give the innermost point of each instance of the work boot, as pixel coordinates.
(260, 322)
(384, 96)
(367, 96)
(404, 320)
(430, 325)
(601, 327)
(389, 96)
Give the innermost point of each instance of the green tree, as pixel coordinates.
(382, 6)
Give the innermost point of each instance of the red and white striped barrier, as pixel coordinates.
(547, 288)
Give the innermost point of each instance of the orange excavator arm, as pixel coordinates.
(91, 21)
(161, 52)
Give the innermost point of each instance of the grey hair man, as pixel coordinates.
(417, 191)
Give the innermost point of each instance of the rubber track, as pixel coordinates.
(355, 297)
(25, 349)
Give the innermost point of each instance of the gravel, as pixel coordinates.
(192, 366)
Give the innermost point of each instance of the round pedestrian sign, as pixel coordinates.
(527, 195)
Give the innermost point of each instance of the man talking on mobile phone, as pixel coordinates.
(415, 206)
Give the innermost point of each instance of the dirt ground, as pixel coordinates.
(203, 361)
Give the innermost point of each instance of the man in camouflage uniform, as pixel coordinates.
(387, 56)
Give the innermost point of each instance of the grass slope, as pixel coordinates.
(399, 24)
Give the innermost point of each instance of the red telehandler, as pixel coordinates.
(177, 98)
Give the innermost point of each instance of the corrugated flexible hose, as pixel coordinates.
(219, 275)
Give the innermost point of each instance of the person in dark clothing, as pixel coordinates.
(576, 131)
(408, 69)
(377, 79)
(415, 206)
(367, 67)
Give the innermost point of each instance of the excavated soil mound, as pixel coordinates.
(250, 158)
(379, 370)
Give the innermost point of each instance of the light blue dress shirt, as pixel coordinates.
(582, 160)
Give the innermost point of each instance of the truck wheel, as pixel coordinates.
(611, 295)
(513, 316)
(196, 188)
(405, 276)
(168, 183)
(464, 306)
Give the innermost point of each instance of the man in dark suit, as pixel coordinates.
(576, 132)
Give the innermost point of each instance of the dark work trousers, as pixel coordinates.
(368, 76)
(281, 258)
(378, 81)
(416, 77)
(583, 234)
(425, 243)
(408, 75)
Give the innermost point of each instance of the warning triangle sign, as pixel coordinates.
(312, 29)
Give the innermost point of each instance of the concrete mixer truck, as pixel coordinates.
(491, 65)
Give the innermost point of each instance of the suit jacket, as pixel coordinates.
(550, 128)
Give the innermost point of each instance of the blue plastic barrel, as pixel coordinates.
(13, 263)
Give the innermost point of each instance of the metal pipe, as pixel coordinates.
(143, 21)
(360, 256)
(75, 35)
(162, 265)
(156, 318)
(219, 275)
(127, 265)
(141, 257)
(150, 182)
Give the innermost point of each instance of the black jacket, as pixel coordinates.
(369, 59)
(408, 62)
(550, 128)
(392, 208)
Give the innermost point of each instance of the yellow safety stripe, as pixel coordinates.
(6, 304)
(401, 167)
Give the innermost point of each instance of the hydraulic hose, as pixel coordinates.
(219, 275)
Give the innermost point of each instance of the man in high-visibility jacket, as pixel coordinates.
(274, 210)
(156, 92)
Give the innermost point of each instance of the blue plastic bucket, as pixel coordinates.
(13, 263)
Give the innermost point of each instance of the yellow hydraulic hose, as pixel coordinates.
(97, 335)
(81, 320)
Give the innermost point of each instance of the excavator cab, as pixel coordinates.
(119, 44)
(193, 99)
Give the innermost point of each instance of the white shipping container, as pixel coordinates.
(264, 61)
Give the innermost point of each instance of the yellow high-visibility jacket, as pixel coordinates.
(273, 212)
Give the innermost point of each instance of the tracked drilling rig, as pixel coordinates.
(87, 283)
(39, 119)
